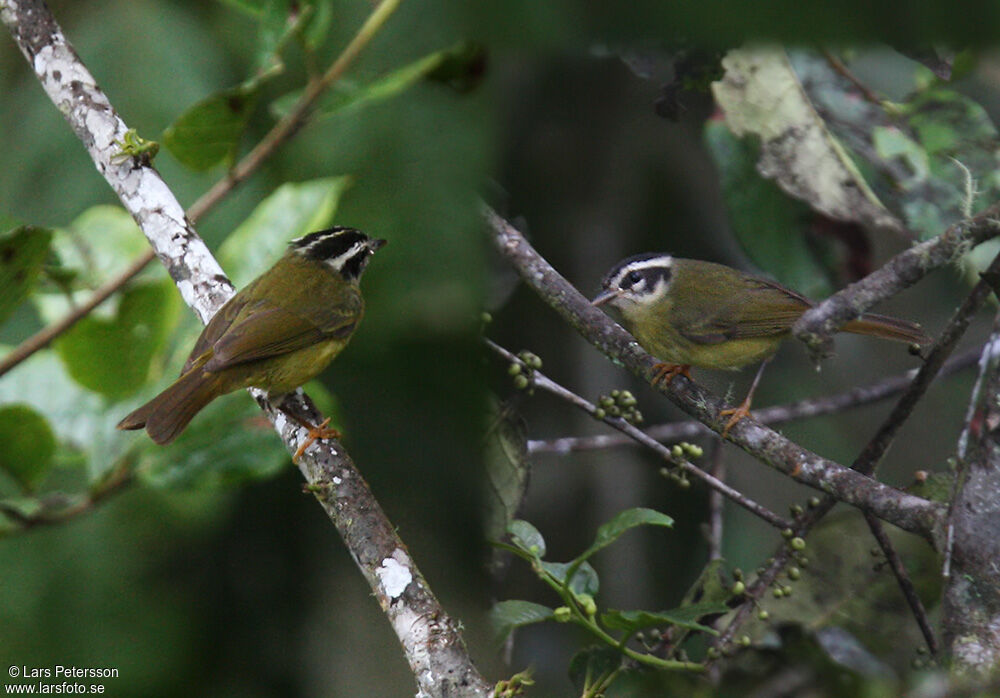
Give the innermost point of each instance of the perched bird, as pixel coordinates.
(687, 313)
(277, 333)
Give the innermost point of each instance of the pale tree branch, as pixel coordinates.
(971, 609)
(430, 639)
(904, 510)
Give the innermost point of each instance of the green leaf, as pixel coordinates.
(347, 96)
(98, 245)
(293, 210)
(277, 24)
(685, 617)
(112, 356)
(317, 26)
(709, 587)
(209, 132)
(22, 252)
(526, 537)
(771, 227)
(625, 520)
(250, 7)
(505, 616)
(83, 421)
(27, 445)
(507, 470)
(584, 581)
(761, 95)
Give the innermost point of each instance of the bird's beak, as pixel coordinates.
(377, 244)
(603, 297)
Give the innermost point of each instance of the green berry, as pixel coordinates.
(563, 614)
(763, 615)
(787, 533)
(514, 369)
(677, 451)
(520, 381)
(738, 589)
(588, 603)
(693, 450)
(600, 413)
(794, 573)
(813, 502)
(745, 640)
(797, 543)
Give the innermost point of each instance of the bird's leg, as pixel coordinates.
(738, 413)
(316, 431)
(664, 373)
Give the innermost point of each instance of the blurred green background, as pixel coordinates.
(246, 590)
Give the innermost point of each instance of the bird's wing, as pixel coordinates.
(762, 309)
(268, 330)
(215, 328)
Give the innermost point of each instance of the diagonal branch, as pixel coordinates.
(430, 639)
(906, 511)
(540, 380)
(817, 324)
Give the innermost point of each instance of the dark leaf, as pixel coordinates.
(27, 445)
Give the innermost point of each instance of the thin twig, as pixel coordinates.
(46, 335)
(543, 382)
(857, 396)
(716, 509)
(904, 510)
(59, 510)
(839, 67)
(904, 581)
(297, 116)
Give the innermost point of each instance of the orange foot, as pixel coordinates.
(737, 413)
(320, 431)
(664, 373)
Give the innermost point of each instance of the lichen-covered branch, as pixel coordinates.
(971, 610)
(818, 324)
(906, 511)
(431, 640)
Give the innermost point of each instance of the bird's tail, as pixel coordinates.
(166, 415)
(886, 327)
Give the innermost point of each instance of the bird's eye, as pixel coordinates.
(633, 277)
